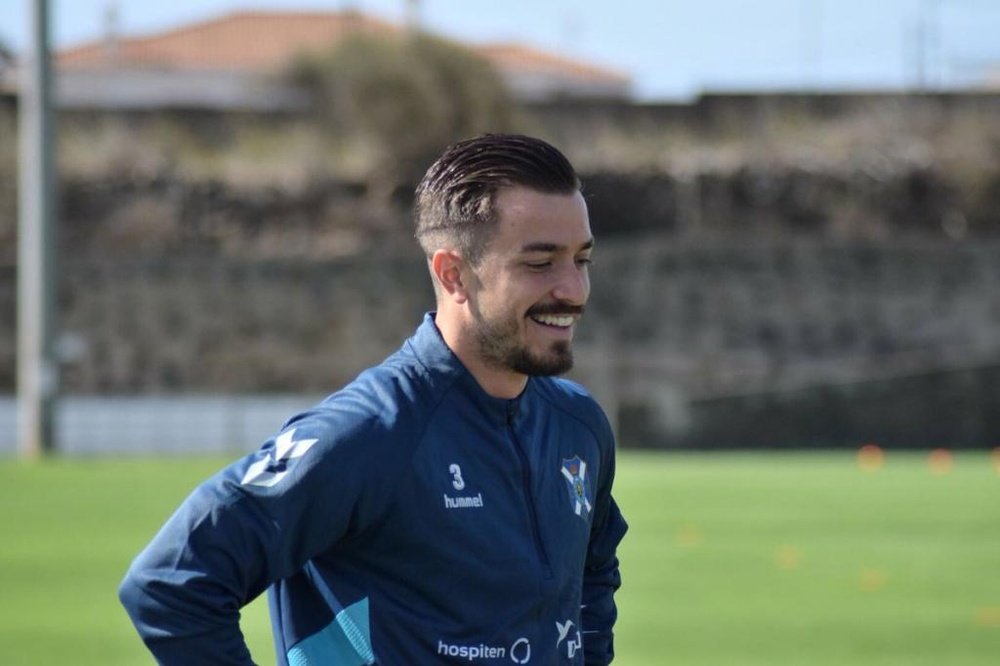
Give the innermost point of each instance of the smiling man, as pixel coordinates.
(451, 505)
(509, 313)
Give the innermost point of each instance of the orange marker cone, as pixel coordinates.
(788, 557)
(688, 535)
(873, 580)
(940, 461)
(870, 458)
(988, 616)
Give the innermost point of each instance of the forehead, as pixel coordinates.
(528, 217)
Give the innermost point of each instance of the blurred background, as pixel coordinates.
(797, 208)
(798, 204)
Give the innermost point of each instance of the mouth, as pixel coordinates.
(555, 320)
(556, 317)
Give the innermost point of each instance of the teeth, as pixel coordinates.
(555, 320)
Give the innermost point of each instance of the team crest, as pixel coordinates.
(575, 472)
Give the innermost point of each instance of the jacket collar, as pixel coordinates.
(443, 365)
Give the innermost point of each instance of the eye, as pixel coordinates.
(584, 261)
(538, 265)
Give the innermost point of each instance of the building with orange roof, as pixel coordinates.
(229, 62)
(537, 75)
(991, 80)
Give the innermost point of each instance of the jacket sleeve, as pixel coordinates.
(254, 522)
(601, 577)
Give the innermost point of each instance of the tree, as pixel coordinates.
(395, 101)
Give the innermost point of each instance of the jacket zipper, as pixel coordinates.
(529, 496)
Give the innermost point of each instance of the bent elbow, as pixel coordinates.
(130, 592)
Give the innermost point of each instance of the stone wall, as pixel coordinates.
(789, 344)
(688, 343)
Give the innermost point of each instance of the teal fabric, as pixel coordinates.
(344, 642)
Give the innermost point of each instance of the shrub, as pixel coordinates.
(393, 102)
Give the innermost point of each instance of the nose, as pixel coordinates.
(573, 285)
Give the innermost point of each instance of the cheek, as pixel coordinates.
(513, 294)
(510, 292)
(500, 302)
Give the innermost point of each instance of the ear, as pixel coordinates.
(447, 265)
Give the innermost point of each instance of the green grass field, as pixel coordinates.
(731, 559)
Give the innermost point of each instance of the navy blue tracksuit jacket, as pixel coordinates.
(408, 519)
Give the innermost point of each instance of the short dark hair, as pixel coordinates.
(455, 200)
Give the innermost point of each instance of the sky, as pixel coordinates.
(672, 49)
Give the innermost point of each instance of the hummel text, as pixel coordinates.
(473, 502)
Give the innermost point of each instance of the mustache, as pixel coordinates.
(555, 309)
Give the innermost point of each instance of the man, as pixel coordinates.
(451, 505)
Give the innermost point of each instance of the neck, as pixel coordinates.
(497, 382)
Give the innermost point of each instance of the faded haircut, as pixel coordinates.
(456, 199)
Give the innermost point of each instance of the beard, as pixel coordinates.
(501, 347)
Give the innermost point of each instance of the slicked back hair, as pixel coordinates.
(456, 199)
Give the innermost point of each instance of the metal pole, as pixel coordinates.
(37, 370)
(811, 37)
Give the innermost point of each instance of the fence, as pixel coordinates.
(183, 424)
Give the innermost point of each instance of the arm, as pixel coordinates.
(251, 524)
(185, 590)
(600, 576)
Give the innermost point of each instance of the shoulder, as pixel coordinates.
(384, 405)
(354, 443)
(574, 401)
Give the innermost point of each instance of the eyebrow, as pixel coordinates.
(552, 247)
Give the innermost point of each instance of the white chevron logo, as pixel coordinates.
(573, 644)
(273, 467)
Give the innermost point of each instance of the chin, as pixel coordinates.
(556, 360)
